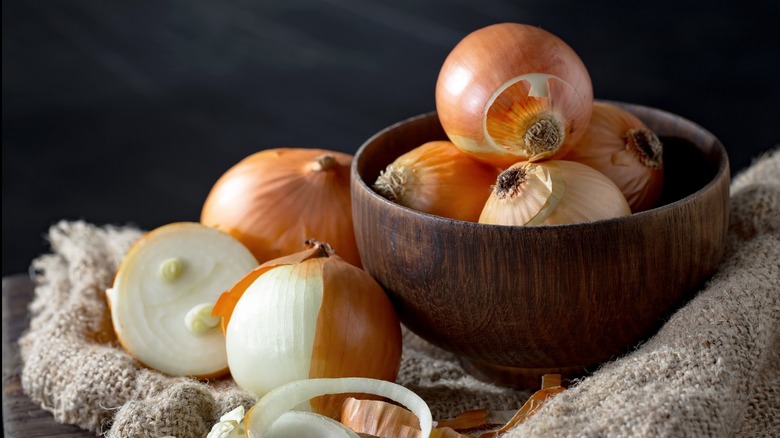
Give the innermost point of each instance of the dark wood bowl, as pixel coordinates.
(515, 302)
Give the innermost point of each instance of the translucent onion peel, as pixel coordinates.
(385, 420)
(552, 193)
(309, 315)
(262, 416)
(551, 386)
(476, 419)
(163, 292)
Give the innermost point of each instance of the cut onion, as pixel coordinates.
(164, 291)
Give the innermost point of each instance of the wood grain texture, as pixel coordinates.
(22, 417)
(516, 302)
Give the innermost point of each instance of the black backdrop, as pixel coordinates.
(127, 113)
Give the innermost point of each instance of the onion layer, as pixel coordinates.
(262, 416)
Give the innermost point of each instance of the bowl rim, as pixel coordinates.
(721, 172)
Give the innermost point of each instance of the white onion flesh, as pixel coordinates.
(263, 415)
(152, 309)
(271, 332)
(308, 424)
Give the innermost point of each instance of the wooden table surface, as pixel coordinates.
(22, 417)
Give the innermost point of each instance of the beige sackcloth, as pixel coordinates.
(712, 370)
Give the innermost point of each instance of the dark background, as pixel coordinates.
(127, 113)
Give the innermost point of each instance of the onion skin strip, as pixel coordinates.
(385, 420)
(551, 385)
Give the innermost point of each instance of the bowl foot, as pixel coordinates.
(516, 377)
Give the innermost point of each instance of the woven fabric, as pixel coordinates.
(712, 370)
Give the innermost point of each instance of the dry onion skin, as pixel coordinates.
(552, 193)
(378, 418)
(438, 178)
(511, 92)
(309, 315)
(164, 292)
(274, 200)
(261, 420)
(623, 148)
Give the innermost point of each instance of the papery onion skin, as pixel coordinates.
(553, 193)
(438, 178)
(623, 148)
(489, 61)
(356, 332)
(274, 200)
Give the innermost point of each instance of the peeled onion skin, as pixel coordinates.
(274, 200)
(623, 148)
(438, 178)
(483, 102)
(552, 193)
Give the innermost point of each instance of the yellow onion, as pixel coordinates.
(309, 315)
(510, 92)
(440, 179)
(623, 148)
(552, 193)
(164, 292)
(272, 201)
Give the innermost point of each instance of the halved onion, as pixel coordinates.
(163, 294)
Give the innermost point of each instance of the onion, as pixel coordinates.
(438, 178)
(261, 418)
(511, 92)
(163, 294)
(274, 200)
(552, 193)
(623, 148)
(309, 315)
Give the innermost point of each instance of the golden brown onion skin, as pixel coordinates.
(438, 178)
(623, 148)
(274, 200)
(488, 60)
(358, 332)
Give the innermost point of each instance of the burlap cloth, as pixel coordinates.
(712, 370)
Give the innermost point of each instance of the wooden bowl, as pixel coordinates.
(515, 302)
